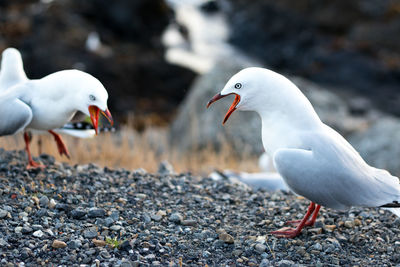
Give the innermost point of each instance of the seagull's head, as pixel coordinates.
(93, 99)
(246, 86)
(10, 56)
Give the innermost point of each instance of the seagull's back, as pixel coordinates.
(330, 172)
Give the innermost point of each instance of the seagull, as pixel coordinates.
(314, 160)
(12, 72)
(49, 103)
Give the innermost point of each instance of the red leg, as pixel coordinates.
(62, 149)
(310, 222)
(31, 163)
(293, 232)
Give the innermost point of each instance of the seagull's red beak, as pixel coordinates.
(94, 112)
(231, 109)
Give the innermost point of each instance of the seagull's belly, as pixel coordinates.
(43, 120)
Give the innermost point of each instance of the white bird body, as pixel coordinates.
(47, 104)
(54, 99)
(314, 160)
(12, 73)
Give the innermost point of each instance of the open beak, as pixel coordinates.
(94, 112)
(232, 107)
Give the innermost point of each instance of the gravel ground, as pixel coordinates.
(90, 216)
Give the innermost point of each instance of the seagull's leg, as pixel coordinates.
(62, 149)
(293, 232)
(309, 222)
(31, 163)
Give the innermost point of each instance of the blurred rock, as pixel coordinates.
(380, 144)
(196, 127)
(351, 45)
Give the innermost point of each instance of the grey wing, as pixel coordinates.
(15, 115)
(335, 178)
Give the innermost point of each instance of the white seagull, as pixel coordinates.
(12, 72)
(50, 103)
(314, 160)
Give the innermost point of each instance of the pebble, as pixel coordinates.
(52, 204)
(38, 234)
(227, 238)
(44, 201)
(3, 213)
(349, 224)
(58, 244)
(116, 228)
(176, 217)
(90, 233)
(99, 243)
(78, 213)
(95, 213)
(260, 248)
(74, 244)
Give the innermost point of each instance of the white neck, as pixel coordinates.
(281, 126)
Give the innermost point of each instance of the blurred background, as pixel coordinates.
(161, 60)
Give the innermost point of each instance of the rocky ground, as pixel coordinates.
(74, 215)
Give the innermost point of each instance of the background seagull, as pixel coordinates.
(12, 72)
(314, 160)
(49, 103)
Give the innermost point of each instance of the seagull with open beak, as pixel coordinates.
(49, 103)
(314, 160)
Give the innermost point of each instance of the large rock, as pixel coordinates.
(379, 145)
(196, 127)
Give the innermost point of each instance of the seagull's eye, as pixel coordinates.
(92, 97)
(238, 86)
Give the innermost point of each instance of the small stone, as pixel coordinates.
(105, 255)
(38, 234)
(90, 233)
(18, 229)
(43, 201)
(125, 246)
(330, 227)
(156, 217)
(317, 231)
(62, 206)
(52, 204)
(26, 230)
(58, 244)
(285, 263)
(95, 213)
(176, 217)
(260, 248)
(165, 168)
(348, 224)
(74, 244)
(3, 213)
(116, 228)
(227, 238)
(35, 199)
(265, 263)
(161, 213)
(189, 222)
(317, 246)
(78, 213)
(141, 196)
(357, 222)
(99, 243)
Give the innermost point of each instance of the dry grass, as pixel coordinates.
(131, 150)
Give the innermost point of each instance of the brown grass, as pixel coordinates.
(131, 150)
